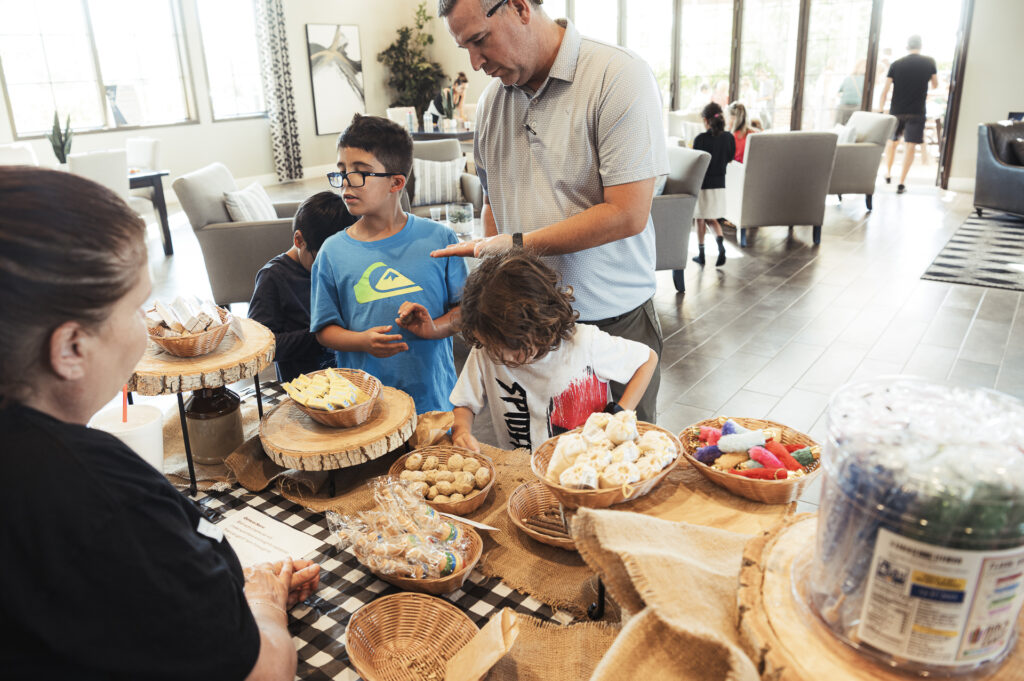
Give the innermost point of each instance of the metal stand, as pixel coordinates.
(188, 448)
(259, 395)
(596, 610)
(131, 400)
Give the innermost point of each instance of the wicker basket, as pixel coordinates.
(355, 415)
(529, 500)
(406, 637)
(443, 585)
(768, 491)
(598, 498)
(194, 345)
(442, 452)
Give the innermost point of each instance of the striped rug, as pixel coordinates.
(985, 251)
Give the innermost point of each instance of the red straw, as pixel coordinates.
(124, 404)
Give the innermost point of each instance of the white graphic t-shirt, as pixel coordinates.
(531, 403)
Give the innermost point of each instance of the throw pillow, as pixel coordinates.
(438, 181)
(1017, 146)
(250, 204)
(847, 134)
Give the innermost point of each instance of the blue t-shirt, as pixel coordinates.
(361, 284)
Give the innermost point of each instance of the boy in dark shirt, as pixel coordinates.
(281, 299)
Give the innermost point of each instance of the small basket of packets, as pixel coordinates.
(406, 543)
(339, 398)
(451, 479)
(610, 459)
(754, 458)
(187, 327)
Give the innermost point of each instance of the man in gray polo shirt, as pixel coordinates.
(569, 143)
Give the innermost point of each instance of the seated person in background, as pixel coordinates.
(379, 273)
(739, 127)
(281, 299)
(540, 372)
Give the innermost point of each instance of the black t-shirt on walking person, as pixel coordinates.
(910, 76)
(107, 571)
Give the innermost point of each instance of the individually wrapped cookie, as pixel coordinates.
(430, 463)
(482, 477)
(455, 462)
(414, 461)
(579, 476)
(471, 465)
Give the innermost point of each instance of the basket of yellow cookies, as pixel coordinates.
(339, 398)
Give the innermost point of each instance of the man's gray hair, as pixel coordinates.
(445, 7)
(914, 42)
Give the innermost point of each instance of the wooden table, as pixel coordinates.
(154, 179)
(160, 373)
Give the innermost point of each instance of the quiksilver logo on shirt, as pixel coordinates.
(390, 283)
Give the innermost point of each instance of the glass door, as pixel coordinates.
(598, 19)
(837, 47)
(768, 47)
(649, 34)
(705, 53)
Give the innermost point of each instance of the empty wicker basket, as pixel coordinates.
(406, 637)
(443, 585)
(442, 452)
(598, 498)
(195, 345)
(357, 414)
(767, 491)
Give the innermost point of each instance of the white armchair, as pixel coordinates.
(18, 154)
(110, 169)
(672, 211)
(856, 168)
(783, 180)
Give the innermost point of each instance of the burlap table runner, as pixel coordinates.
(677, 583)
(546, 651)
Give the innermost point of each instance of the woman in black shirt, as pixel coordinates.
(109, 572)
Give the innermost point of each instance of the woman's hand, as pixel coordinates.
(265, 587)
(415, 318)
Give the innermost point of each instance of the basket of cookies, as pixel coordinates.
(187, 327)
(608, 460)
(339, 398)
(754, 458)
(407, 543)
(452, 479)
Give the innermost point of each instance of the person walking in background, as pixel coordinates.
(711, 201)
(740, 128)
(908, 78)
(850, 91)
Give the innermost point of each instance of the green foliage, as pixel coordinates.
(414, 78)
(61, 141)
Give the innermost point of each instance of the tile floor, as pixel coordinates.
(783, 324)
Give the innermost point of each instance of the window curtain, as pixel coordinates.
(277, 88)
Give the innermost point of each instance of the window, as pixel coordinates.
(705, 53)
(768, 60)
(228, 29)
(649, 34)
(599, 19)
(107, 64)
(837, 44)
(556, 9)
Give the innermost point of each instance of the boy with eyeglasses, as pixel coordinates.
(378, 274)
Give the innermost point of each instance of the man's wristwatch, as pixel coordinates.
(613, 408)
(517, 240)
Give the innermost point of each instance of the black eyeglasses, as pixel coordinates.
(356, 178)
(491, 12)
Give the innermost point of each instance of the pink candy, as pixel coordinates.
(710, 435)
(765, 458)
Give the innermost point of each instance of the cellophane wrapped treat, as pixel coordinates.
(920, 549)
(402, 535)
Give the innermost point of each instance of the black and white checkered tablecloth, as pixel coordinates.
(318, 624)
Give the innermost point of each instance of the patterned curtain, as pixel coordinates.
(277, 88)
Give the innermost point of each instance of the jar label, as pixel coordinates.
(936, 605)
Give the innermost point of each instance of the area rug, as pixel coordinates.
(985, 251)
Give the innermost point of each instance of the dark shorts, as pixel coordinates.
(911, 127)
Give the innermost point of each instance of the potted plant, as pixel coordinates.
(61, 141)
(414, 77)
(448, 109)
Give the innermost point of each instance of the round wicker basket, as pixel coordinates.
(357, 414)
(195, 345)
(598, 498)
(530, 500)
(406, 637)
(443, 585)
(442, 452)
(767, 491)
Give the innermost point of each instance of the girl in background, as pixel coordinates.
(711, 200)
(740, 128)
(436, 108)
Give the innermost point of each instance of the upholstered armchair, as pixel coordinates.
(672, 211)
(856, 167)
(444, 150)
(999, 178)
(233, 251)
(783, 180)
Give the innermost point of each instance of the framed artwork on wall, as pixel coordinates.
(336, 72)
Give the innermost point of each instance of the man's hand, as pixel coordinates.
(415, 318)
(465, 439)
(477, 248)
(380, 344)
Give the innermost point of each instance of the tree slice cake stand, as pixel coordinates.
(786, 639)
(294, 440)
(161, 373)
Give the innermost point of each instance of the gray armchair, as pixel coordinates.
(783, 180)
(856, 167)
(999, 178)
(444, 150)
(233, 251)
(672, 211)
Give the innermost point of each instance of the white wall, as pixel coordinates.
(992, 82)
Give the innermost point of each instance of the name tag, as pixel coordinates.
(208, 529)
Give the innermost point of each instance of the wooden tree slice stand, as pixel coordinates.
(785, 639)
(294, 440)
(160, 373)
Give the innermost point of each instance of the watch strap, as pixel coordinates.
(517, 240)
